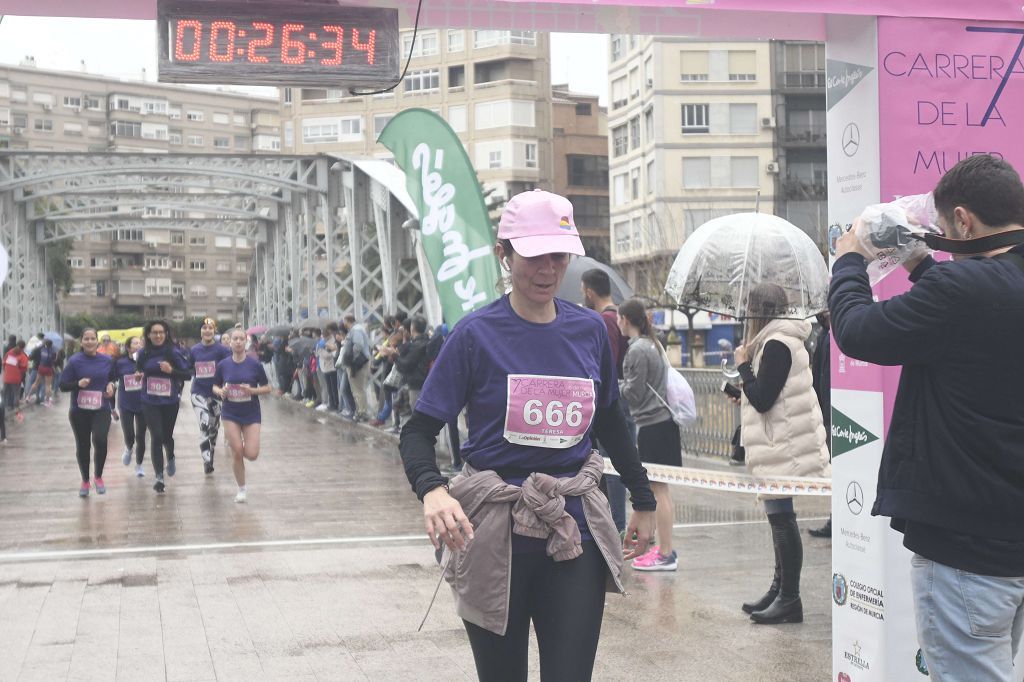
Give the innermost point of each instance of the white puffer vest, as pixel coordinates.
(788, 439)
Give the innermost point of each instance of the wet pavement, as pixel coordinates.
(325, 573)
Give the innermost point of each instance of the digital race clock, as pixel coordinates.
(279, 43)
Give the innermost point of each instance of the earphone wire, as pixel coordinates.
(356, 92)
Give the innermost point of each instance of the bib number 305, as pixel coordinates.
(549, 412)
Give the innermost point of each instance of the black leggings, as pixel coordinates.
(133, 426)
(92, 424)
(160, 420)
(565, 600)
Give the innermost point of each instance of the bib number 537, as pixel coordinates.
(555, 413)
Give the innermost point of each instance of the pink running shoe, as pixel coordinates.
(646, 555)
(656, 562)
(84, 490)
(100, 488)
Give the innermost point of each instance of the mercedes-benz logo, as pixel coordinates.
(851, 139)
(855, 498)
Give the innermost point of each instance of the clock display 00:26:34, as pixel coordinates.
(261, 42)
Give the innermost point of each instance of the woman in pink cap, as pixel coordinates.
(526, 531)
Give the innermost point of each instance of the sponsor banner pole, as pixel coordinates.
(455, 230)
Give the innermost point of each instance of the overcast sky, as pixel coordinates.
(122, 48)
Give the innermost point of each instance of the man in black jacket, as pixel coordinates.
(952, 472)
(413, 361)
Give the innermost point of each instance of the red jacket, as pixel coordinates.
(15, 366)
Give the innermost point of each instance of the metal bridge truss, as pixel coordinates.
(327, 231)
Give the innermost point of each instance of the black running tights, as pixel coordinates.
(565, 601)
(133, 426)
(160, 420)
(90, 425)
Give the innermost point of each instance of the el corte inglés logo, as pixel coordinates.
(847, 434)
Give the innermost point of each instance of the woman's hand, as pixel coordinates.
(218, 391)
(641, 525)
(110, 390)
(740, 355)
(445, 520)
(83, 383)
(166, 367)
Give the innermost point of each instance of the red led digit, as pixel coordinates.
(292, 51)
(337, 45)
(265, 41)
(179, 41)
(215, 30)
(366, 47)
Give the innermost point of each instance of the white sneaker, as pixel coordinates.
(240, 497)
(321, 408)
(126, 458)
(139, 471)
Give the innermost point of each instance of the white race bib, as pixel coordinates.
(158, 386)
(206, 370)
(132, 382)
(90, 400)
(548, 412)
(235, 393)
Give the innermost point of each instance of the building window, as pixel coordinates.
(76, 262)
(456, 40)
(620, 96)
(457, 117)
(494, 159)
(621, 234)
(157, 263)
(18, 95)
(177, 290)
(619, 186)
(590, 211)
(650, 177)
(693, 65)
(503, 113)
(198, 291)
(696, 172)
(174, 113)
(379, 122)
(617, 45)
(743, 171)
(195, 140)
(587, 170)
(649, 125)
(238, 119)
(178, 238)
(323, 132)
(221, 119)
(584, 109)
(223, 266)
(804, 65)
(197, 240)
(97, 262)
(174, 136)
(742, 65)
(241, 143)
(197, 265)
(743, 119)
(73, 102)
(132, 287)
(638, 230)
(194, 116)
(287, 95)
(649, 72)
(128, 235)
(222, 143)
(634, 132)
(43, 125)
(634, 83)
(44, 98)
(19, 120)
(93, 103)
(351, 128)
(482, 39)
(634, 183)
(241, 268)
(222, 242)
(530, 150)
(620, 140)
(101, 288)
(695, 118)
(241, 243)
(74, 129)
(422, 81)
(425, 45)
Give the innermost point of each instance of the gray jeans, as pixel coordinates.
(969, 625)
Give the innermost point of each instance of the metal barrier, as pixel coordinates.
(717, 417)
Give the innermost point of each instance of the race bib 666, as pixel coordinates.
(547, 411)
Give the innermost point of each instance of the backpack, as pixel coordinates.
(681, 402)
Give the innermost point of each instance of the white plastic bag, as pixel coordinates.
(886, 231)
(681, 402)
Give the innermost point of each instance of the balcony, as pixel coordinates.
(802, 81)
(804, 136)
(794, 189)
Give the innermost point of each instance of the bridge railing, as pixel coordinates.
(717, 417)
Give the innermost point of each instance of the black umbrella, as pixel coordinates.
(281, 330)
(301, 345)
(571, 290)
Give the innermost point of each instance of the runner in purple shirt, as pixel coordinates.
(205, 357)
(536, 376)
(90, 378)
(129, 402)
(239, 381)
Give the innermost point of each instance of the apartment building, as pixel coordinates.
(581, 165)
(138, 270)
(801, 194)
(691, 137)
(493, 88)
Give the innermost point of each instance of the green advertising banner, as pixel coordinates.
(456, 231)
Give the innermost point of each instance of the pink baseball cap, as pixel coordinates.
(540, 222)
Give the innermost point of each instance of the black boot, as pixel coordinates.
(823, 532)
(773, 591)
(787, 607)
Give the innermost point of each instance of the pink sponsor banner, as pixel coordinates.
(992, 10)
(948, 89)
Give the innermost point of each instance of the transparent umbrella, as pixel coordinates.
(750, 265)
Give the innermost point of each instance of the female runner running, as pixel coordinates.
(129, 402)
(239, 381)
(205, 356)
(90, 378)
